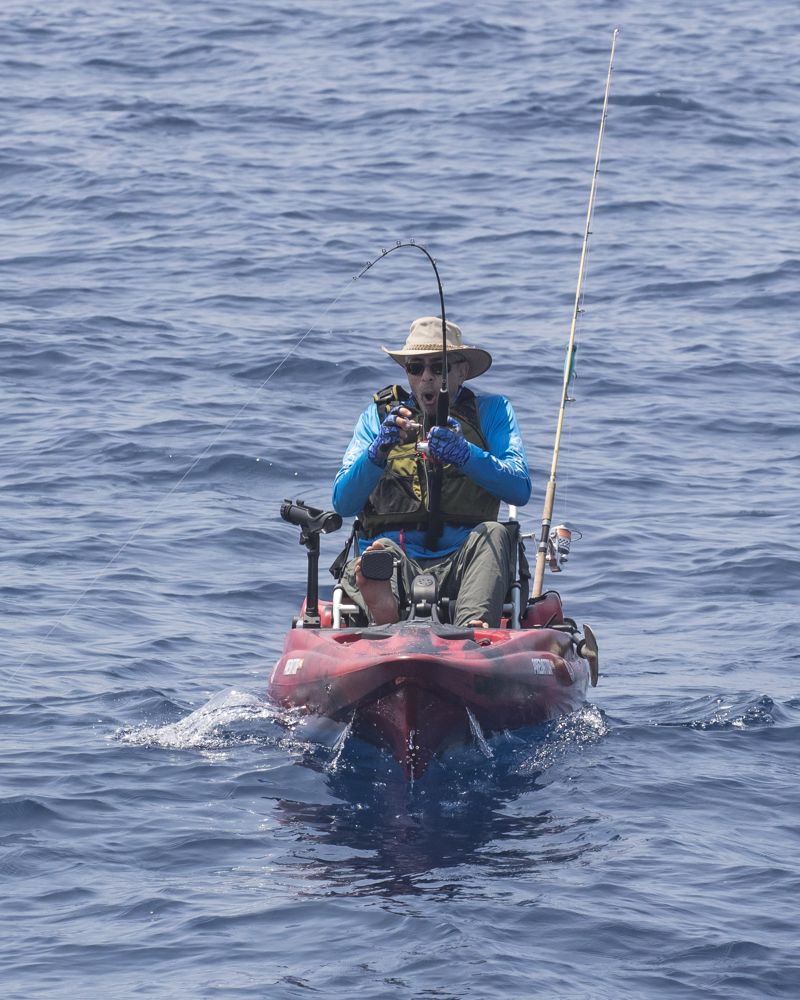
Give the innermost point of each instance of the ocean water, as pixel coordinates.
(187, 190)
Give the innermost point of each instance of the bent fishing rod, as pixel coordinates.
(569, 363)
(443, 402)
(434, 476)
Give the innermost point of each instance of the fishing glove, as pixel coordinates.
(448, 444)
(388, 437)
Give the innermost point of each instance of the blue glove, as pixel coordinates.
(388, 437)
(448, 444)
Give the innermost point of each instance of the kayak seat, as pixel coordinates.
(340, 611)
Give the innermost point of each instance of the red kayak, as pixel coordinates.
(418, 687)
(411, 688)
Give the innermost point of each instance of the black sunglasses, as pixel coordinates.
(418, 367)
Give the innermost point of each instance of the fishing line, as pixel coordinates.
(39, 647)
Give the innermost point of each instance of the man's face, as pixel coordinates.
(425, 379)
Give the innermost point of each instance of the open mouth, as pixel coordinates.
(428, 399)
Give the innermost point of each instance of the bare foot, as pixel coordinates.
(378, 596)
(476, 623)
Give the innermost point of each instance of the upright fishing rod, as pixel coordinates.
(569, 364)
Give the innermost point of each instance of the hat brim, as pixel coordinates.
(479, 360)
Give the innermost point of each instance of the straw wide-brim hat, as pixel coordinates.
(426, 338)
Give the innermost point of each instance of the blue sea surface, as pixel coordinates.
(187, 190)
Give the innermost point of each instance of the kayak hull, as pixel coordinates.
(414, 688)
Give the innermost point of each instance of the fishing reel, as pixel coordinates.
(559, 545)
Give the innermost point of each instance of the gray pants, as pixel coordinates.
(477, 575)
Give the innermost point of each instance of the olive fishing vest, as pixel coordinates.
(400, 498)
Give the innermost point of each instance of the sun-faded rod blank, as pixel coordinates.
(550, 495)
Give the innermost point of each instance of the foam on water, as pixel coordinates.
(213, 726)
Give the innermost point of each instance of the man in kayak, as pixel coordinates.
(384, 481)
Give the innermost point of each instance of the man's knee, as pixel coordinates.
(491, 529)
(494, 535)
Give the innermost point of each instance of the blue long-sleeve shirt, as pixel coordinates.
(502, 470)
